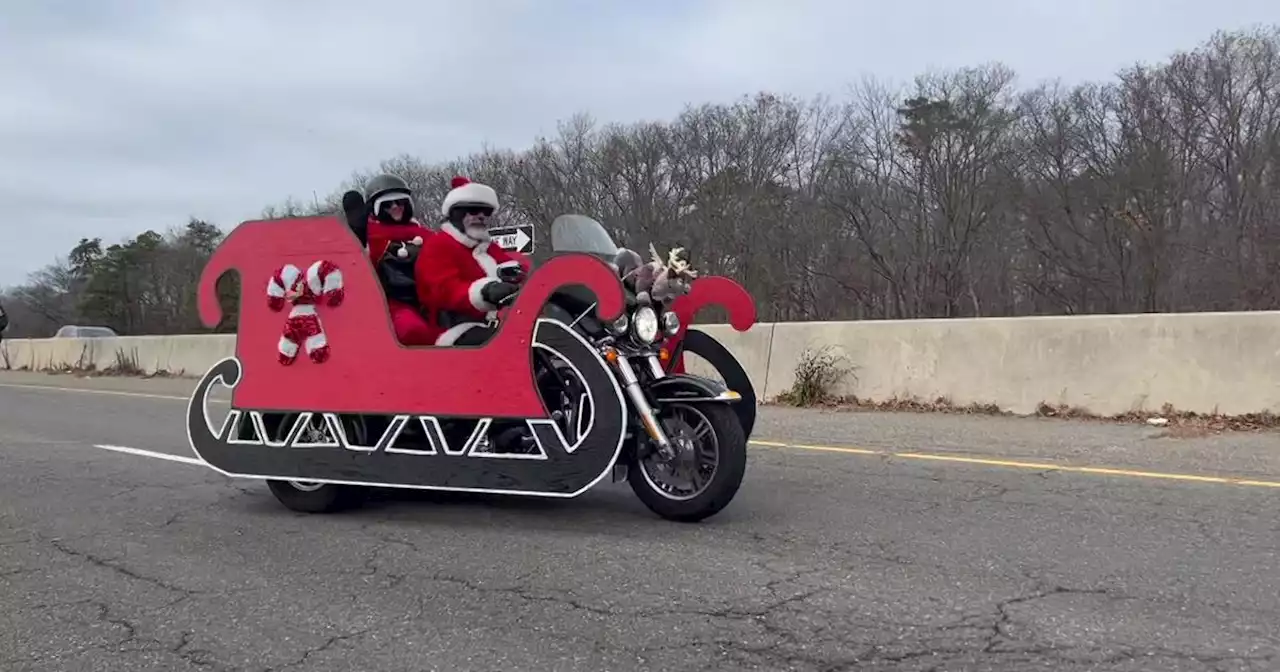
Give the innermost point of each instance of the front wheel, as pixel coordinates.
(707, 469)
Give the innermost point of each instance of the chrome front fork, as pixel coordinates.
(631, 385)
(655, 367)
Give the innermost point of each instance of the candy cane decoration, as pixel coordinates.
(302, 329)
(324, 278)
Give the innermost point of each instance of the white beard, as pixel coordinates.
(480, 233)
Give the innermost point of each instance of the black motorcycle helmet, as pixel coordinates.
(384, 189)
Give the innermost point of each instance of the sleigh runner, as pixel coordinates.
(355, 450)
(326, 401)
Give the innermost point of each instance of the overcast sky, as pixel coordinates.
(122, 115)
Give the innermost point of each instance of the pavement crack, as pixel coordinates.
(527, 594)
(782, 648)
(371, 566)
(117, 568)
(328, 644)
(104, 615)
(987, 492)
(197, 657)
(561, 597)
(999, 634)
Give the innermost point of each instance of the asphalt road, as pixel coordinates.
(903, 557)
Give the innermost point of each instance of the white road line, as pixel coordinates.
(152, 453)
(110, 393)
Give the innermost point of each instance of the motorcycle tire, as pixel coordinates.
(725, 482)
(306, 497)
(324, 498)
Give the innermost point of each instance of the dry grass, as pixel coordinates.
(817, 374)
(1175, 424)
(126, 365)
(820, 371)
(1180, 424)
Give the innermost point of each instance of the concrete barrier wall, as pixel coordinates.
(185, 354)
(1106, 364)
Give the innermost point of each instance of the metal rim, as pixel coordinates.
(316, 431)
(697, 449)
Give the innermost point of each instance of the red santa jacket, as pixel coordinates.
(394, 255)
(452, 269)
(381, 234)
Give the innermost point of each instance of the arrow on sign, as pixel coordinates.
(515, 238)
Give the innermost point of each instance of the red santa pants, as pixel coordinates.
(410, 325)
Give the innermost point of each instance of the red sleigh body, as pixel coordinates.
(369, 370)
(369, 376)
(734, 298)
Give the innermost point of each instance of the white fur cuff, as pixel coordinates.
(477, 300)
(451, 336)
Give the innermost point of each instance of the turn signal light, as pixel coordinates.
(664, 355)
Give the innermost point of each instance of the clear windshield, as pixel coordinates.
(580, 233)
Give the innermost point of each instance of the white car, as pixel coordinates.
(74, 331)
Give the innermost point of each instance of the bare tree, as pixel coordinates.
(954, 195)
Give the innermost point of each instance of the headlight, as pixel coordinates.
(620, 325)
(670, 323)
(644, 325)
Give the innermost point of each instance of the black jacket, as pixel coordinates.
(4, 319)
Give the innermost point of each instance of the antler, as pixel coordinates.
(669, 278)
(673, 262)
(680, 266)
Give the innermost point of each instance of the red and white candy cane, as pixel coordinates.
(302, 329)
(324, 279)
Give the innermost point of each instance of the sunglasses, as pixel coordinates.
(476, 210)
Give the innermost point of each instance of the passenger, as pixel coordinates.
(458, 269)
(394, 239)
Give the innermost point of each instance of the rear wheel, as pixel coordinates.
(311, 497)
(707, 469)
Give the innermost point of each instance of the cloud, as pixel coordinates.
(135, 114)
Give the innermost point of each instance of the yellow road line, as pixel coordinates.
(1018, 464)
(848, 450)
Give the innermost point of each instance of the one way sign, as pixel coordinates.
(515, 238)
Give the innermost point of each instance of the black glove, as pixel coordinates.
(513, 274)
(353, 211)
(494, 292)
(352, 201)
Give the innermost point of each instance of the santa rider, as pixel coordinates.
(463, 277)
(394, 239)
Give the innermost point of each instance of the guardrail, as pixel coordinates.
(1105, 364)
